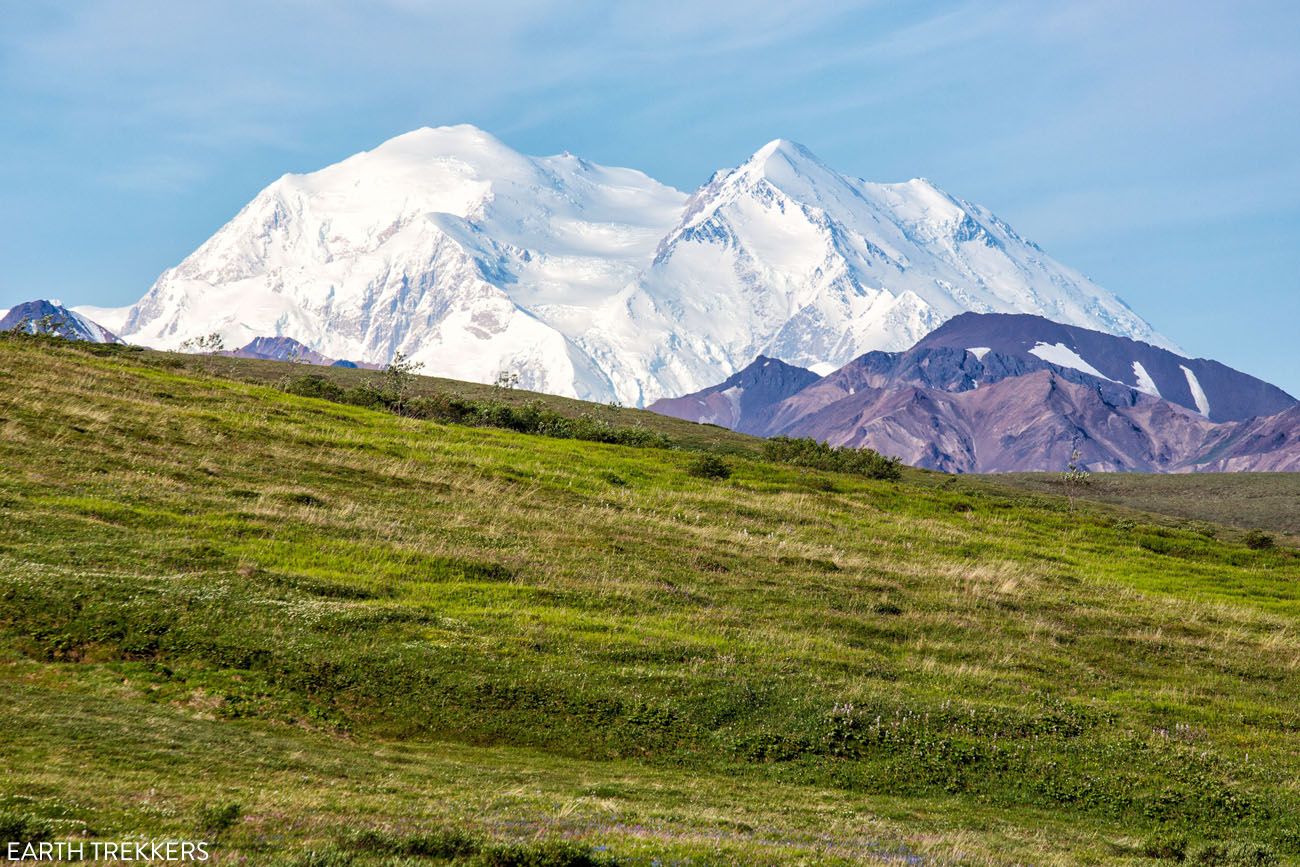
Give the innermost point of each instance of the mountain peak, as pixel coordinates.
(463, 141)
(49, 316)
(782, 152)
(445, 244)
(459, 131)
(784, 146)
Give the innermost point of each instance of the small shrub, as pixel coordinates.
(805, 452)
(23, 828)
(709, 466)
(1170, 846)
(315, 385)
(445, 843)
(547, 853)
(1258, 540)
(216, 818)
(1240, 854)
(303, 498)
(531, 418)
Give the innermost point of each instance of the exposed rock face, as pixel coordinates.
(998, 405)
(744, 399)
(1270, 444)
(1030, 422)
(1215, 390)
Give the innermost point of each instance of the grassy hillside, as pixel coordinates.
(1269, 501)
(689, 434)
(318, 634)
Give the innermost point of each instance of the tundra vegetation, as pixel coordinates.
(320, 633)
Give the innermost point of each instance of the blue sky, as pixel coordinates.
(1155, 146)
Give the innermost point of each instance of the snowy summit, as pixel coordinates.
(601, 283)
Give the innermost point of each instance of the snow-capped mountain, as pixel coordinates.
(784, 257)
(596, 282)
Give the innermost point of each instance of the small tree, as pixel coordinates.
(1074, 478)
(51, 324)
(208, 344)
(23, 327)
(506, 380)
(399, 377)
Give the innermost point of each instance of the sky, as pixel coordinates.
(1154, 146)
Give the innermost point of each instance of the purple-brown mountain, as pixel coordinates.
(53, 318)
(744, 400)
(1212, 389)
(1002, 393)
(288, 349)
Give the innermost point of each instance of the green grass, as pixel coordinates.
(686, 433)
(382, 639)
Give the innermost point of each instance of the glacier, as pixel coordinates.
(601, 283)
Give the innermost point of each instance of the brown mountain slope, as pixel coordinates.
(1036, 420)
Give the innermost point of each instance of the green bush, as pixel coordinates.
(443, 843)
(1239, 854)
(1258, 540)
(215, 818)
(709, 466)
(22, 828)
(547, 853)
(315, 385)
(1170, 846)
(805, 452)
(531, 418)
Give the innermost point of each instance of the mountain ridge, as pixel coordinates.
(51, 316)
(450, 247)
(996, 406)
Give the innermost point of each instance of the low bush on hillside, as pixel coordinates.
(22, 828)
(709, 466)
(1239, 854)
(215, 818)
(1258, 540)
(531, 418)
(804, 452)
(315, 385)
